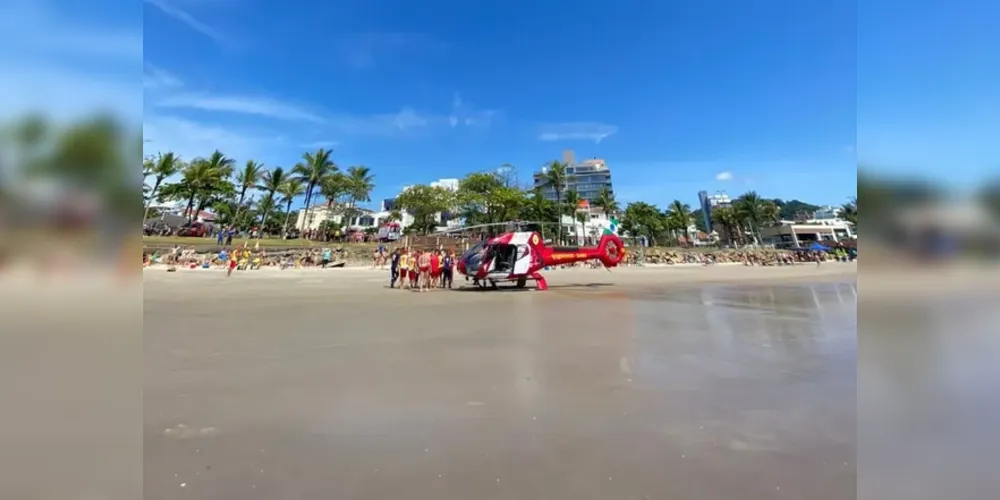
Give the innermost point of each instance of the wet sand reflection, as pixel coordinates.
(582, 393)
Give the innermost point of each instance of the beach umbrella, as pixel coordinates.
(818, 248)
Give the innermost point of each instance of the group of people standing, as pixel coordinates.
(421, 269)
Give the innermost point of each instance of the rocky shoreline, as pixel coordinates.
(353, 255)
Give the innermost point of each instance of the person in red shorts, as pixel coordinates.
(232, 263)
(414, 274)
(435, 269)
(424, 264)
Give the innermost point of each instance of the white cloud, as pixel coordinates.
(191, 139)
(186, 18)
(577, 131)
(320, 145)
(248, 105)
(463, 113)
(724, 176)
(154, 77)
(362, 50)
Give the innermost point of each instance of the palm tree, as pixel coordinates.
(680, 218)
(315, 167)
(271, 183)
(572, 207)
(198, 180)
(162, 167)
(728, 219)
(247, 179)
(849, 211)
(556, 177)
(333, 189)
(770, 212)
(221, 163)
(359, 186)
(606, 200)
(289, 190)
(750, 207)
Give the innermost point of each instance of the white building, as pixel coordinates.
(796, 234)
(366, 219)
(591, 230)
(827, 213)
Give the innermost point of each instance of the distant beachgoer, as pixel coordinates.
(394, 268)
(447, 263)
(327, 258)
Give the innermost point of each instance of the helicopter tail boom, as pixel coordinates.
(609, 251)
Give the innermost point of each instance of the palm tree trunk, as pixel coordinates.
(263, 218)
(152, 196)
(305, 214)
(559, 216)
(239, 205)
(190, 207)
(288, 215)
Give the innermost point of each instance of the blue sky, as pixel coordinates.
(676, 96)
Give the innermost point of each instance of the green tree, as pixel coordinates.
(248, 178)
(489, 197)
(271, 183)
(537, 208)
(160, 168)
(290, 189)
(572, 208)
(750, 207)
(849, 211)
(555, 177)
(475, 196)
(313, 170)
(334, 189)
(359, 183)
(423, 203)
(203, 182)
(728, 220)
(679, 218)
(770, 213)
(642, 219)
(606, 200)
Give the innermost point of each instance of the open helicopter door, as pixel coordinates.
(523, 262)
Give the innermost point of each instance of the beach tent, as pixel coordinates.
(816, 247)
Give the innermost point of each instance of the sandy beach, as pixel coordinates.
(681, 382)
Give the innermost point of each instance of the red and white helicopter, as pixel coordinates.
(517, 257)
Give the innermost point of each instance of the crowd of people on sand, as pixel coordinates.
(422, 270)
(427, 269)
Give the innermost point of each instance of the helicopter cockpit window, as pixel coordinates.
(473, 258)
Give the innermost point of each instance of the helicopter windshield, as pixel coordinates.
(473, 258)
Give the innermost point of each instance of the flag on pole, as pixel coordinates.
(614, 227)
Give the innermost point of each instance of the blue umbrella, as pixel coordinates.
(818, 248)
